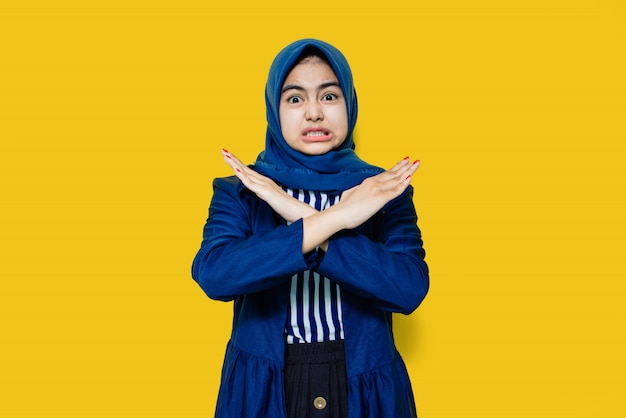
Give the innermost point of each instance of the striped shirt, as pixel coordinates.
(314, 301)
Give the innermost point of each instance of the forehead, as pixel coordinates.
(310, 69)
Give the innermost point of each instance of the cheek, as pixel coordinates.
(283, 120)
(281, 116)
(286, 123)
(341, 120)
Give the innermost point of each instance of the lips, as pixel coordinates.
(316, 135)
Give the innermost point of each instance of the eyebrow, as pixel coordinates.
(320, 87)
(292, 87)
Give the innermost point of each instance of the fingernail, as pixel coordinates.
(416, 162)
(227, 156)
(406, 158)
(224, 150)
(408, 177)
(237, 169)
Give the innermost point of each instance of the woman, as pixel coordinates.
(317, 249)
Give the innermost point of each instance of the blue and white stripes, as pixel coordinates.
(315, 313)
(314, 310)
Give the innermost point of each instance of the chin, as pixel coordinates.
(316, 150)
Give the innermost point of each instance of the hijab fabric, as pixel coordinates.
(333, 172)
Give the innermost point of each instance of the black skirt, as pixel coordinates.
(315, 380)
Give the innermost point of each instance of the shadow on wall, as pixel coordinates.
(408, 334)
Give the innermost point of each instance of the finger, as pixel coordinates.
(241, 171)
(399, 165)
(233, 164)
(246, 175)
(232, 160)
(400, 177)
(232, 157)
(408, 168)
(411, 170)
(236, 164)
(398, 172)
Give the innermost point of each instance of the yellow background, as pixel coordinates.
(112, 117)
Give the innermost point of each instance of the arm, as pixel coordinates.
(385, 265)
(243, 250)
(384, 260)
(356, 206)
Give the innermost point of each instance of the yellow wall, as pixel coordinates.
(112, 117)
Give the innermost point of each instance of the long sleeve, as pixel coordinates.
(245, 249)
(383, 260)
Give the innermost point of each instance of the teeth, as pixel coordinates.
(315, 133)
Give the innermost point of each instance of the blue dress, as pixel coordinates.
(249, 255)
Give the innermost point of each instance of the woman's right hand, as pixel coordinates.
(289, 208)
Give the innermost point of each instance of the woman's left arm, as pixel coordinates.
(379, 258)
(383, 260)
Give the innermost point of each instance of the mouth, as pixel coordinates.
(316, 135)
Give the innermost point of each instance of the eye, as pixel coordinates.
(329, 97)
(294, 99)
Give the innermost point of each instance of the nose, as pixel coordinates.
(314, 111)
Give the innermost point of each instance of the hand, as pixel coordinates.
(357, 205)
(267, 190)
(361, 202)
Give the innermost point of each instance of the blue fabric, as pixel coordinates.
(249, 255)
(335, 171)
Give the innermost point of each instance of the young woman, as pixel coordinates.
(317, 249)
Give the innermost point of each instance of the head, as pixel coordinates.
(312, 108)
(311, 101)
(311, 112)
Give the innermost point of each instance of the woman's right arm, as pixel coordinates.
(243, 251)
(356, 206)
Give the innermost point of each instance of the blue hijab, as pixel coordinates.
(333, 172)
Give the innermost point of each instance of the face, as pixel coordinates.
(312, 110)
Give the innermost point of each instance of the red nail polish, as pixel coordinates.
(227, 156)
(406, 158)
(237, 169)
(224, 149)
(416, 162)
(407, 177)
